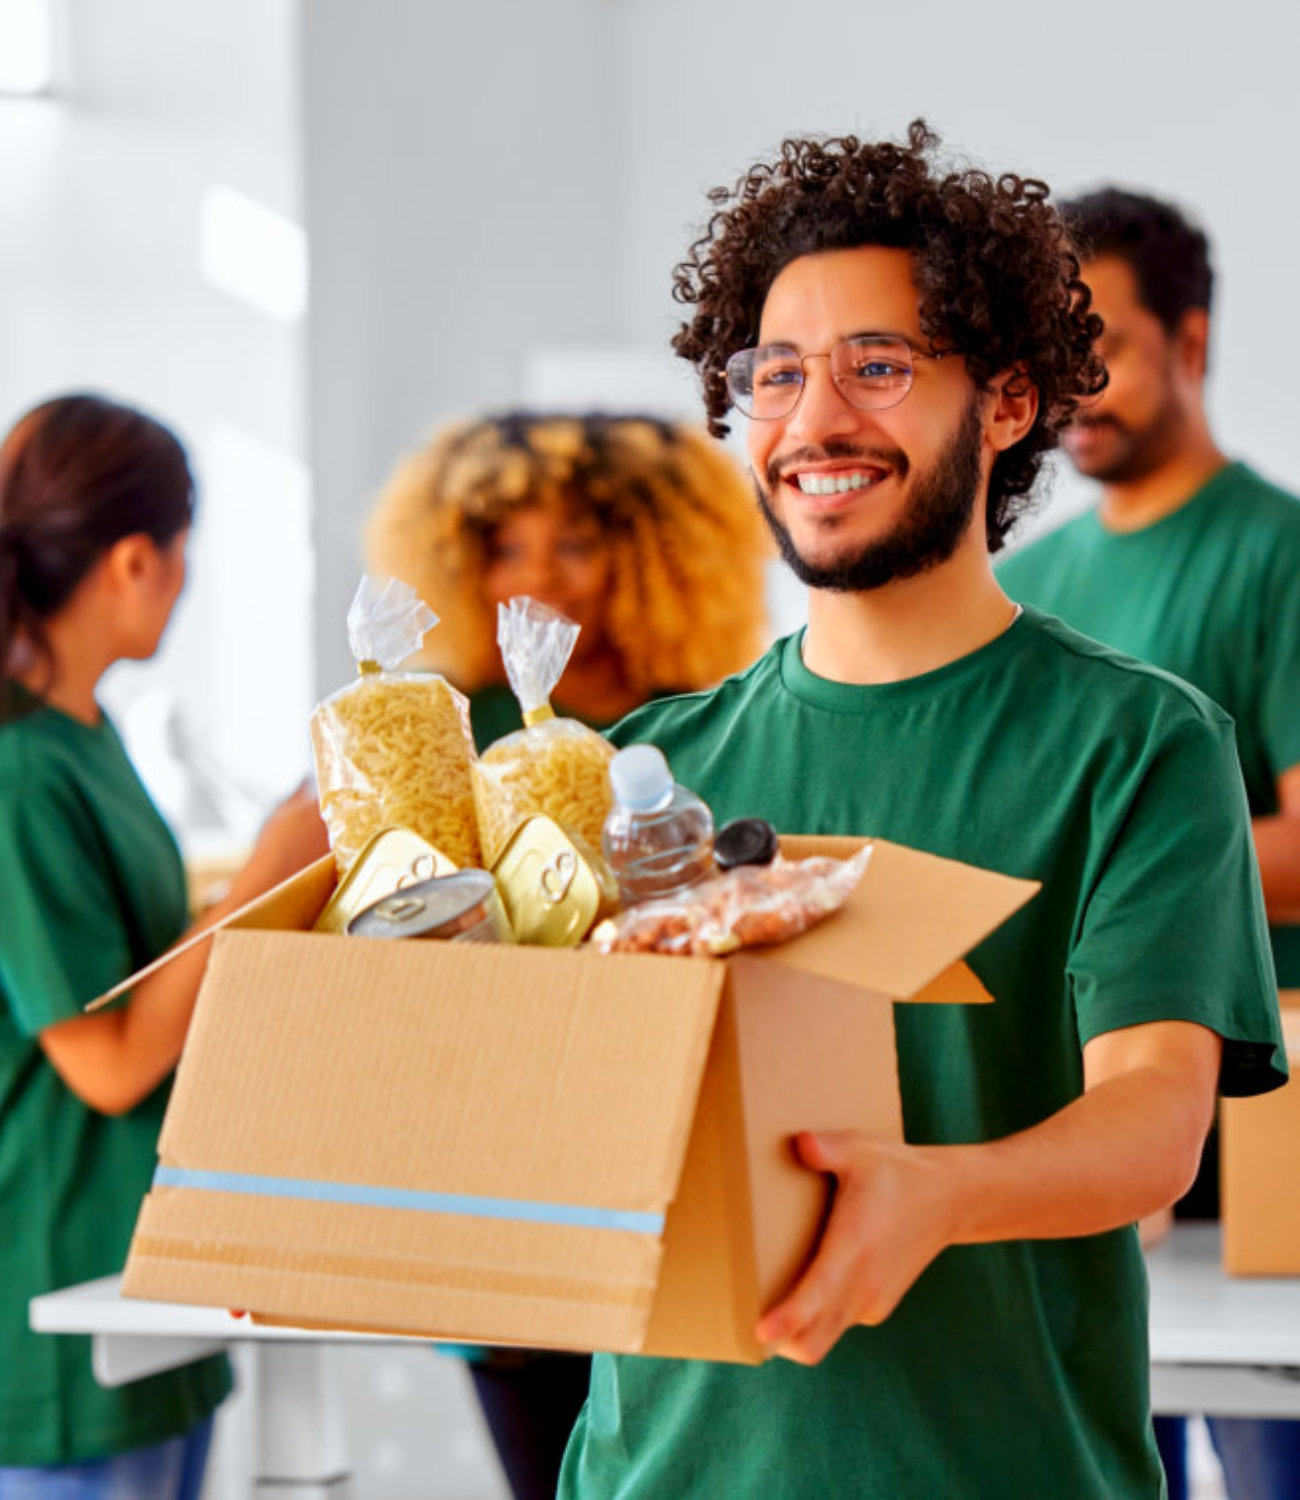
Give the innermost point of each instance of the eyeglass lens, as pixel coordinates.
(870, 372)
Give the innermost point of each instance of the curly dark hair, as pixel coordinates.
(994, 264)
(1168, 255)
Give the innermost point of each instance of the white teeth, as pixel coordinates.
(832, 484)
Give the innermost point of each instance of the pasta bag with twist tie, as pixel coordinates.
(554, 766)
(393, 749)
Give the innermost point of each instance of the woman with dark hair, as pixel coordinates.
(96, 501)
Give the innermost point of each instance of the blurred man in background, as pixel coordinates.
(1191, 562)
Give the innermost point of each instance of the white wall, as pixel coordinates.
(461, 164)
(101, 206)
(489, 190)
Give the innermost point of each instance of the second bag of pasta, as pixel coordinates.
(554, 766)
(393, 749)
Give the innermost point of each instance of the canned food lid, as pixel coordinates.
(425, 905)
(745, 841)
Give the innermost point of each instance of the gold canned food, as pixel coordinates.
(459, 908)
(553, 885)
(393, 858)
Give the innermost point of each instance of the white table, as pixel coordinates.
(1219, 1345)
(295, 1431)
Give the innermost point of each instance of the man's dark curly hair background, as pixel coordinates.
(997, 275)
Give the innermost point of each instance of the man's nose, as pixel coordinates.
(822, 410)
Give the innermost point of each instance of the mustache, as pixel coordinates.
(879, 454)
(1098, 422)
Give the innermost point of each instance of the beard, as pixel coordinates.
(938, 515)
(1134, 452)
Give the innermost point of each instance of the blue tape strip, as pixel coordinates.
(433, 1203)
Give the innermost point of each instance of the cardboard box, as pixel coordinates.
(1259, 1162)
(525, 1145)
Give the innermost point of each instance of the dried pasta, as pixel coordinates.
(395, 751)
(558, 767)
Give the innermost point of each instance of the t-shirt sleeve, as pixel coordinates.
(62, 939)
(1173, 925)
(1279, 687)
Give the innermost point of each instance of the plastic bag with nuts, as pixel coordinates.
(748, 907)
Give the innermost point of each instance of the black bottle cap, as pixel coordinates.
(745, 841)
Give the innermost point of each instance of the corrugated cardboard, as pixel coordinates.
(1260, 1166)
(525, 1085)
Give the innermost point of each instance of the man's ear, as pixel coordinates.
(1012, 409)
(1192, 343)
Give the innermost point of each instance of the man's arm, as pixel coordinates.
(1129, 1145)
(1277, 845)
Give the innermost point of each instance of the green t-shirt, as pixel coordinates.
(1012, 1369)
(1210, 593)
(93, 888)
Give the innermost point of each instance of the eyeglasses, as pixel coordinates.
(871, 371)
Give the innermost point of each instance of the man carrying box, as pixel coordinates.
(907, 344)
(1192, 563)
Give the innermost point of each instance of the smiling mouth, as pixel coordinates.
(810, 482)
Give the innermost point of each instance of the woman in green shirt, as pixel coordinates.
(645, 533)
(96, 501)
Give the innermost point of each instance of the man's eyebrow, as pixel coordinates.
(867, 333)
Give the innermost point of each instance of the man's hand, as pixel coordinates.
(891, 1215)
(1127, 1147)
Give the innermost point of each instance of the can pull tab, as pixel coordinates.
(557, 876)
(398, 908)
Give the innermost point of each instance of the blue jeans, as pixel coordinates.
(1260, 1457)
(168, 1471)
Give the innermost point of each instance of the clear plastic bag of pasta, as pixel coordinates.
(393, 749)
(554, 766)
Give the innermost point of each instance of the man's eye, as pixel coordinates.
(878, 369)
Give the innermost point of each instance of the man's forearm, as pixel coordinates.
(1081, 1172)
(1277, 847)
(1126, 1148)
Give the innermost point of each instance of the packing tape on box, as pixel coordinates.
(574, 1215)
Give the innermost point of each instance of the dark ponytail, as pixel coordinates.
(77, 474)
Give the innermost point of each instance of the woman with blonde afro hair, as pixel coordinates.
(647, 535)
(643, 531)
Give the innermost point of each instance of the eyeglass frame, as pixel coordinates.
(893, 338)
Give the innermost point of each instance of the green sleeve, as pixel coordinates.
(63, 939)
(1173, 924)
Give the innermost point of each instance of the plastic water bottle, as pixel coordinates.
(658, 837)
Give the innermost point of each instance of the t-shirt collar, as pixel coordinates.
(852, 697)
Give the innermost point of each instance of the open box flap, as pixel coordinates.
(914, 916)
(414, 1103)
(292, 905)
